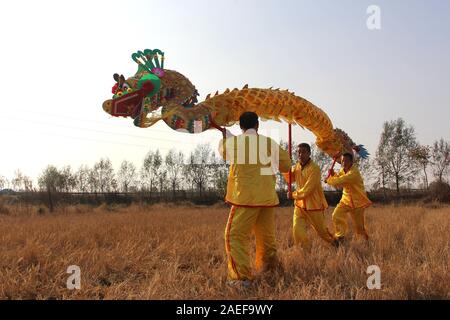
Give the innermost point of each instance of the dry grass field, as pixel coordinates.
(174, 252)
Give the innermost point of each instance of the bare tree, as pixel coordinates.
(197, 169)
(27, 183)
(82, 178)
(153, 173)
(158, 171)
(174, 162)
(126, 177)
(147, 177)
(17, 181)
(219, 176)
(422, 155)
(384, 175)
(50, 180)
(394, 151)
(114, 185)
(441, 159)
(93, 181)
(68, 179)
(3, 182)
(162, 180)
(21, 182)
(103, 175)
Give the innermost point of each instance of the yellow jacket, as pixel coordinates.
(251, 180)
(354, 195)
(309, 194)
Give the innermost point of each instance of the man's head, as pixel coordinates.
(248, 120)
(304, 152)
(347, 160)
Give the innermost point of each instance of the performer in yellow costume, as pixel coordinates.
(251, 193)
(310, 202)
(354, 198)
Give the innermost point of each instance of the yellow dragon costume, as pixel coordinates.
(155, 93)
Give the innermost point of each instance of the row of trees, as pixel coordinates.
(399, 162)
(200, 170)
(400, 157)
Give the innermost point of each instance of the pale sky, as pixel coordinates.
(57, 59)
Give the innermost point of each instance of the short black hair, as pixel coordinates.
(305, 146)
(348, 155)
(248, 120)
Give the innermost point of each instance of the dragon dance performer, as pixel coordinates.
(251, 193)
(354, 198)
(309, 199)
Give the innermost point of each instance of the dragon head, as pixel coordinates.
(151, 93)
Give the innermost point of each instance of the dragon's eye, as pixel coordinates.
(129, 90)
(119, 94)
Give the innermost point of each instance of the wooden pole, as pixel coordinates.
(290, 157)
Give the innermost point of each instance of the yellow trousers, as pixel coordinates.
(242, 222)
(340, 215)
(316, 219)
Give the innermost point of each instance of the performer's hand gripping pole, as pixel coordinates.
(331, 169)
(223, 130)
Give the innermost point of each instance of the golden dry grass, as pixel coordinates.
(168, 252)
